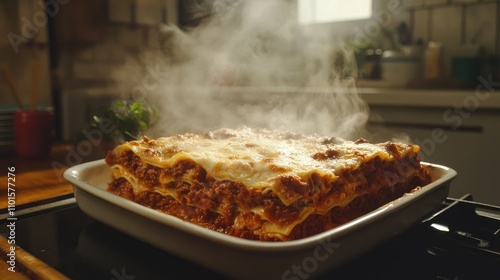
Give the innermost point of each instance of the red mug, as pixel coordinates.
(33, 133)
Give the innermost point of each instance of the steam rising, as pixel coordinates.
(250, 64)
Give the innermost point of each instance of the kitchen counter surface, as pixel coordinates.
(475, 99)
(34, 180)
(484, 96)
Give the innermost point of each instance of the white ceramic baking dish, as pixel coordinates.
(247, 259)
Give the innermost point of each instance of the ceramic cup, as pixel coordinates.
(34, 131)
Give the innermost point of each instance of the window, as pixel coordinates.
(320, 11)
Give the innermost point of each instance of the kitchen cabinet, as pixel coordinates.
(462, 138)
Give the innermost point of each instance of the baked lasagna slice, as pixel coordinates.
(264, 185)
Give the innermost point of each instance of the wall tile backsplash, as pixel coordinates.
(481, 26)
(461, 26)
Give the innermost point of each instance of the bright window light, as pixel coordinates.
(320, 11)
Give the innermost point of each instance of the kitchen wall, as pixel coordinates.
(98, 35)
(90, 40)
(24, 44)
(96, 39)
(120, 29)
(462, 26)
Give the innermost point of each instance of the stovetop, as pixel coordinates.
(460, 241)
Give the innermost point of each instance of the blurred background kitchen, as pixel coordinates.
(426, 68)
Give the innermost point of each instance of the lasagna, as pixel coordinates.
(264, 185)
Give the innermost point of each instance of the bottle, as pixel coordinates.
(433, 61)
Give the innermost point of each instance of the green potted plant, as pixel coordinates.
(124, 120)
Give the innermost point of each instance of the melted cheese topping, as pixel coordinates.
(257, 159)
